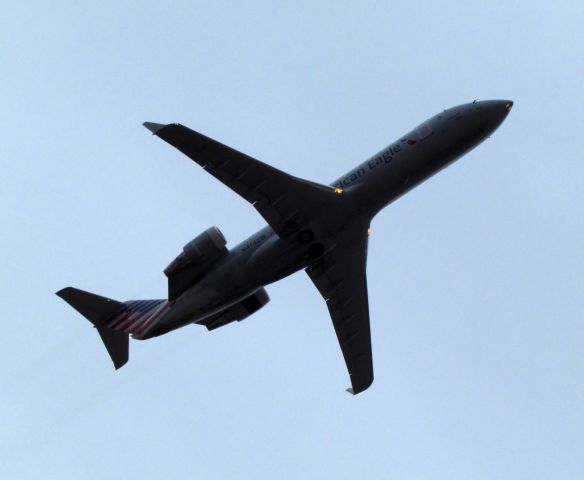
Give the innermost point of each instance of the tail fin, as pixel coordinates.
(98, 310)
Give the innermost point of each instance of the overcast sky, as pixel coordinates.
(475, 277)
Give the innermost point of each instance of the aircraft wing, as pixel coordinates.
(285, 202)
(341, 279)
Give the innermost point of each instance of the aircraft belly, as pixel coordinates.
(275, 260)
(410, 170)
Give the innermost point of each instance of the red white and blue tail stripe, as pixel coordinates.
(115, 320)
(137, 316)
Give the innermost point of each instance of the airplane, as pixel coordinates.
(323, 229)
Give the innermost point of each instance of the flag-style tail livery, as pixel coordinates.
(114, 320)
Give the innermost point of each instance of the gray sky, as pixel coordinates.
(475, 277)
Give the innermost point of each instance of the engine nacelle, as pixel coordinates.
(195, 259)
(238, 312)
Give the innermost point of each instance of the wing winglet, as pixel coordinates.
(154, 127)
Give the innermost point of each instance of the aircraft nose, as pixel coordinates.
(493, 112)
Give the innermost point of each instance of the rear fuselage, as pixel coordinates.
(264, 257)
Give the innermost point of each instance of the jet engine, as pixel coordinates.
(195, 259)
(238, 312)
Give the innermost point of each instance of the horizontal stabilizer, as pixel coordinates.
(97, 310)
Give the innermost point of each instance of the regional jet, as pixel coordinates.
(322, 229)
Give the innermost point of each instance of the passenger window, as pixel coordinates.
(424, 131)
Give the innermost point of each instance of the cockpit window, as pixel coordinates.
(424, 131)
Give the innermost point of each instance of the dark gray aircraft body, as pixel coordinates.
(322, 229)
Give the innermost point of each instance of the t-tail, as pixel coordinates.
(115, 320)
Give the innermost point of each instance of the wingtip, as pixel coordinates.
(63, 292)
(153, 127)
(119, 364)
(360, 385)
